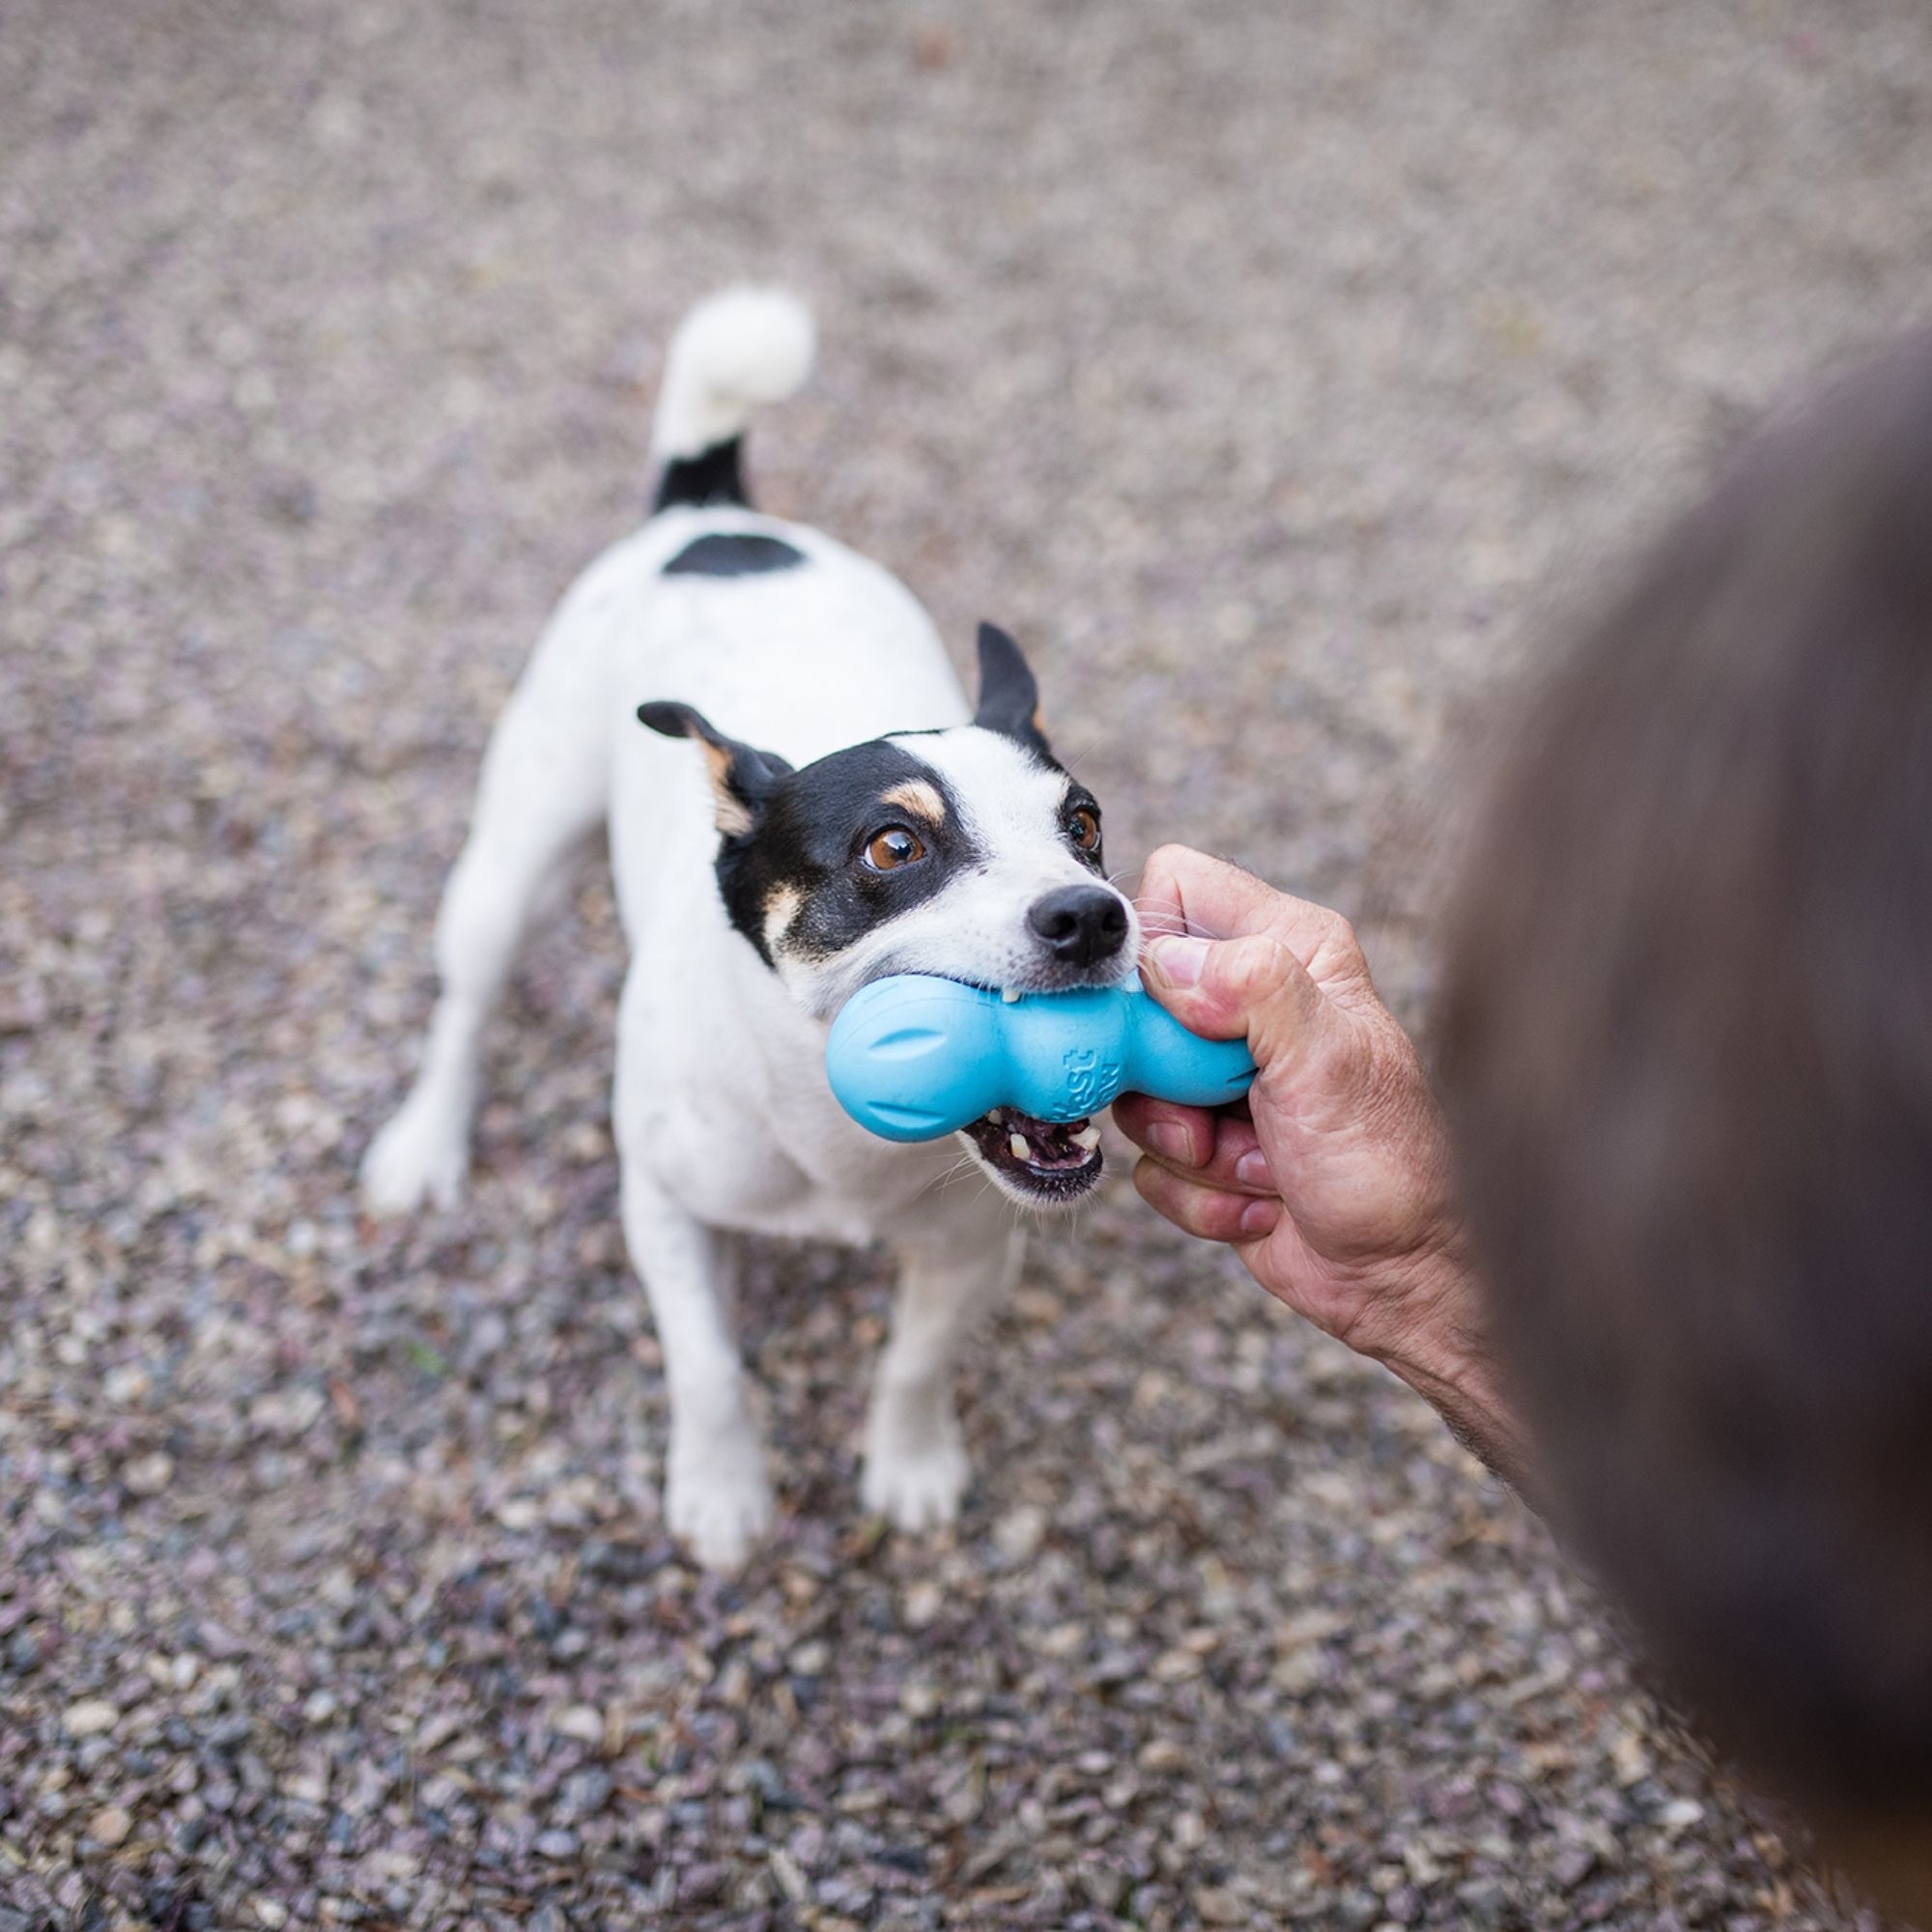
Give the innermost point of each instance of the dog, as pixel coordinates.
(862, 820)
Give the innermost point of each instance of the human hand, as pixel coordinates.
(1332, 1180)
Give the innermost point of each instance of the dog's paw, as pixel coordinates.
(423, 1154)
(720, 1512)
(915, 1485)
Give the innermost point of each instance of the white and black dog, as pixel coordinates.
(878, 826)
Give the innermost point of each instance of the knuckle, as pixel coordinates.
(1256, 967)
(1332, 929)
(1337, 944)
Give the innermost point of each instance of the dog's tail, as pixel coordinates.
(735, 352)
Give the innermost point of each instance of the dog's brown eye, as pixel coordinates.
(893, 849)
(1083, 827)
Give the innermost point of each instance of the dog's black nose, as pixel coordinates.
(1080, 925)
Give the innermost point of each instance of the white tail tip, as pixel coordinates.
(735, 352)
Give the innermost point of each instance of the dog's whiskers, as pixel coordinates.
(967, 1164)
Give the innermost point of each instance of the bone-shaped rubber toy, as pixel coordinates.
(911, 1057)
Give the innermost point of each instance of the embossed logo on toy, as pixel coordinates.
(1091, 1081)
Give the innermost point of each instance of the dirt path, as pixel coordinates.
(1261, 366)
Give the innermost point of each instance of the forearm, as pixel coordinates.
(1468, 1398)
(1443, 1353)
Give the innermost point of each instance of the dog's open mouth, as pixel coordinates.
(1041, 1161)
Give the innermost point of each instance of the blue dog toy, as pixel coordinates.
(912, 1058)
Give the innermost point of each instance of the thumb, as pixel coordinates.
(1252, 989)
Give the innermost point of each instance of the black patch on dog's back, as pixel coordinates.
(808, 842)
(714, 475)
(734, 553)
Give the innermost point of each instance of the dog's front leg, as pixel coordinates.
(916, 1467)
(717, 1498)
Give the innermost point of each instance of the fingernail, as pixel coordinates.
(1252, 1170)
(1172, 1142)
(1179, 961)
(1258, 1217)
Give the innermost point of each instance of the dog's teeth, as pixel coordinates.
(1012, 998)
(1016, 1146)
(997, 1116)
(1088, 1138)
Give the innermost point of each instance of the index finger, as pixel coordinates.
(1183, 890)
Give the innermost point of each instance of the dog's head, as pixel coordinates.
(968, 853)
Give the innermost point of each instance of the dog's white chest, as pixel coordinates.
(721, 1086)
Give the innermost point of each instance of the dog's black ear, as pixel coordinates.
(742, 780)
(1009, 695)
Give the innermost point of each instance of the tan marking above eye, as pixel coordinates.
(892, 846)
(919, 798)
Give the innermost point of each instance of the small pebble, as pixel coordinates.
(89, 1717)
(149, 1475)
(584, 1723)
(109, 1827)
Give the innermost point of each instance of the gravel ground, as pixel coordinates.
(1265, 368)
